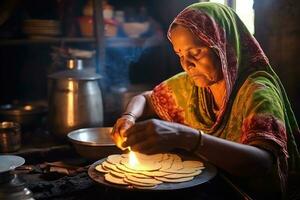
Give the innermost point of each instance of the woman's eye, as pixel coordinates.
(195, 52)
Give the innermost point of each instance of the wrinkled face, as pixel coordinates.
(199, 61)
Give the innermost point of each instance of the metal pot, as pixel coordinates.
(29, 115)
(75, 100)
(10, 137)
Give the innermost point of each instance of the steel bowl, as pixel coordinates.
(93, 143)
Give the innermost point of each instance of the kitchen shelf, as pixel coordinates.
(110, 42)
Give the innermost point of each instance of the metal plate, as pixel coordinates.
(207, 174)
(10, 162)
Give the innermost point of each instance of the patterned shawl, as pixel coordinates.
(256, 110)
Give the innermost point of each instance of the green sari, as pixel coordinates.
(256, 110)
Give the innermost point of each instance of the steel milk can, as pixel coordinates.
(75, 99)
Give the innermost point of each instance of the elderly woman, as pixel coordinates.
(228, 105)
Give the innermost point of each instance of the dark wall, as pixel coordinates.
(24, 68)
(278, 31)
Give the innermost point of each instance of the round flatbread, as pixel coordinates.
(154, 157)
(125, 169)
(143, 166)
(99, 168)
(176, 176)
(114, 159)
(167, 163)
(175, 157)
(117, 174)
(144, 187)
(192, 164)
(112, 179)
(155, 173)
(150, 170)
(138, 175)
(174, 180)
(181, 171)
(176, 165)
(150, 181)
(107, 165)
(134, 183)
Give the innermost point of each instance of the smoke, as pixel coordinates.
(117, 65)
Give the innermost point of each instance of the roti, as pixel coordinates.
(176, 176)
(99, 168)
(174, 180)
(150, 181)
(134, 183)
(143, 165)
(112, 179)
(150, 170)
(192, 164)
(114, 159)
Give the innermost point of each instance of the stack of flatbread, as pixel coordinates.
(150, 171)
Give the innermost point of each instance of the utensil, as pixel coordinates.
(207, 174)
(10, 137)
(10, 162)
(27, 114)
(135, 29)
(11, 187)
(75, 99)
(93, 143)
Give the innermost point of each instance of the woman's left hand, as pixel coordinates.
(153, 136)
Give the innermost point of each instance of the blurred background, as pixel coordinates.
(37, 38)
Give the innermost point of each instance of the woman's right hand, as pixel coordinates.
(122, 124)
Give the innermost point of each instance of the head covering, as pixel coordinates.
(220, 28)
(244, 64)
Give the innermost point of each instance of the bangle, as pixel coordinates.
(199, 141)
(130, 114)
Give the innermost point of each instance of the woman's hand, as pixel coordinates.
(153, 136)
(122, 124)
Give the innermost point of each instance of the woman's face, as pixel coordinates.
(199, 61)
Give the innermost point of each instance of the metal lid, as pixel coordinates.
(75, 74)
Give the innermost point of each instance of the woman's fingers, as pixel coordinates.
(119, 129)
(134, 138)
(140, 132)
(146, 146)
(137, 128)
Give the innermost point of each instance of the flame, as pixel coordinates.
(133, 161)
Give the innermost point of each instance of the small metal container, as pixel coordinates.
(29, 115)
(10, 137)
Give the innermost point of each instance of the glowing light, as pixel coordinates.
(244, 9)
(27, 107)
(70, 105)
(246, 12)
(133, 161)
(218, 1)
